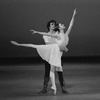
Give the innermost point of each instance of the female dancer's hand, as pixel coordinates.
(33, 31)
(75, 11)
(14, 43)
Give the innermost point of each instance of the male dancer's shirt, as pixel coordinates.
(49, 40)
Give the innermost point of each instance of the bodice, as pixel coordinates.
(63, 40)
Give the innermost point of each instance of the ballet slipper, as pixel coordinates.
(54, 90)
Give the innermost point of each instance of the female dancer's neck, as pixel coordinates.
(61, 31)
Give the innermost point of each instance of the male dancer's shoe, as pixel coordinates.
(63, 89)
(62, 83)
(45, 85)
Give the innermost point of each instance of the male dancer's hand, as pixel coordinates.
(33, 31)
(65, 49)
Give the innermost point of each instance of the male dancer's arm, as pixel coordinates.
(44, 33)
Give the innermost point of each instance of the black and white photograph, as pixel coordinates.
(49, 49)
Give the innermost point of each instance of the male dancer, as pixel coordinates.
(49, 40)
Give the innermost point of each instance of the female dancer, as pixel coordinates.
(52, 52)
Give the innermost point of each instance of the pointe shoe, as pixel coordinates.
(54, 90)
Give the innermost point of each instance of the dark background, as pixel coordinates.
(17, 17)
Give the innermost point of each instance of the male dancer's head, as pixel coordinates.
(51, 25)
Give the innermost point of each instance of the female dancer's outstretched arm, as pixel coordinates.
(44, 33)
(24, 45)
(71, 23)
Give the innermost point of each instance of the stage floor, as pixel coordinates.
(24, 81)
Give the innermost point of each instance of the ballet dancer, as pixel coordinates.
(51, 26)
(48, 40)
(52, 52)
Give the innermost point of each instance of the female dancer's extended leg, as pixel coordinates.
(44, 55)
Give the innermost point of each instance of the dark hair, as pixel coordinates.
(51, 21)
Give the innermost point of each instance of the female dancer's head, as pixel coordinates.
(61, 26)
(51, 25)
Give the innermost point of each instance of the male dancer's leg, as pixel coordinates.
(46, 78)
(61, 79)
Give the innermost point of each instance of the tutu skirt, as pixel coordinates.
(50, 53)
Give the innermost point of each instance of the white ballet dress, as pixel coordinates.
(51, 52)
